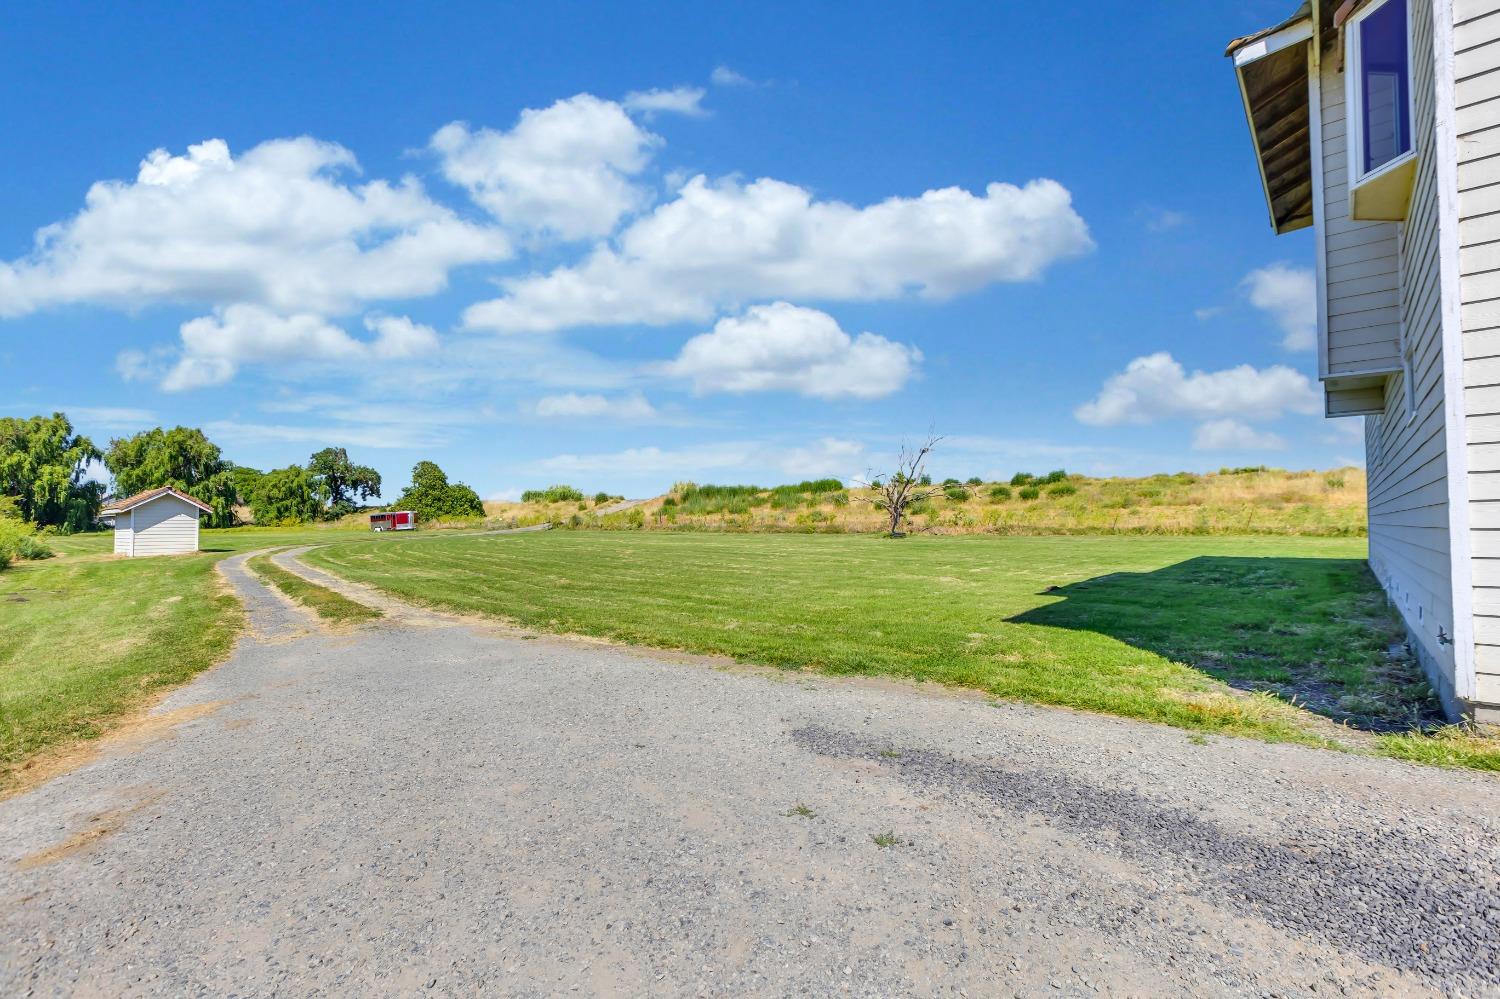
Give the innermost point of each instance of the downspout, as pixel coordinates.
(1445, 155)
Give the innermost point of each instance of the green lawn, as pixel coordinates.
(1213, 634)
(87, 637)
(327, 604)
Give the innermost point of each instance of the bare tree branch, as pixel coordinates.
(896, 492)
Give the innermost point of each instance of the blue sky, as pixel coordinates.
(621, 248)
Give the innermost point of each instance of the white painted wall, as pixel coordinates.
(1360, 262)
(1407, 445)
(1476, 122)
(166, 525)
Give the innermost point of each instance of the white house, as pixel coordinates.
(1377, 123)
(156, 522)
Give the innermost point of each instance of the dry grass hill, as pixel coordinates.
(1231, 501)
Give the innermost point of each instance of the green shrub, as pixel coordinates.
(1056, 475)
(956, 493)
(552, 494)
(1243, 470)
(17, 542)
(999, 492)
(601, 498)
(1029, 492)
(921, 508)
(1062, 489)
(840, 498)
(669, 501)
(951, 482)
(1333, 480)
(974, 481)
(1021, 478)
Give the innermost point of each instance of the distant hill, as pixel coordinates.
(1231, 501)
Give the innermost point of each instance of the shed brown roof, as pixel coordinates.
(130, 502)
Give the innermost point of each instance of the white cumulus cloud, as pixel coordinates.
(1157, 387)
(398, 337)
(719, 243)
(594, 405)
(723, 76)
(214, 346)
(280, 226)
(564, 170)
(786, 348)
(1234, 435)
(677, 100)
(1288, 294)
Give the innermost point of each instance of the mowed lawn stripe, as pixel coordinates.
(1143, 627)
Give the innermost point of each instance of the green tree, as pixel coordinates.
(182, 458)
(432, 497)
(245, 480)
(42, 467)
(285, 496)
(338, 482)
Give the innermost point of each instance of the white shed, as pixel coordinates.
(156, 522)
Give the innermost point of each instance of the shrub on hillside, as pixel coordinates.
(1056, 475)
(552, 494)
(956, 493)
(601, 498)
(999, 492)
(1029, 492)
(1062, 489)
(974, 481)
(1021, 479)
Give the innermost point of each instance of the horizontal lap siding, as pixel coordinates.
(1410, 548)
(1364, 311)
(1476, 61)
(167, 526)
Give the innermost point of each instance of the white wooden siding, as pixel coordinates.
(165, 526)
(1476, 87)
(1406, 451)
(1363, 305)
(122, 534)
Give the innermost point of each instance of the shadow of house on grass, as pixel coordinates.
(1314, 631)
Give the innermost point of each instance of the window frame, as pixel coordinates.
(1354, 125)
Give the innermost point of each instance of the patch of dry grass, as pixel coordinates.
(1255, 502)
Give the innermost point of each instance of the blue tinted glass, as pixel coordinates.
(1383, 81)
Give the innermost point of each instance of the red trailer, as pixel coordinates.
(396, 520)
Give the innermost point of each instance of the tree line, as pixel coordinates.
(46, 481)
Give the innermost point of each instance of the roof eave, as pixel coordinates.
(1271, 70)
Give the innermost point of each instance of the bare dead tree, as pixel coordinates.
(896, 492)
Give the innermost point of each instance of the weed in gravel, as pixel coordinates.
(886, 839)
(801, 811)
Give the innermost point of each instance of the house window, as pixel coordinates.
(1384, 83)
(1378, 74)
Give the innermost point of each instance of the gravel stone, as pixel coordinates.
(439, 805)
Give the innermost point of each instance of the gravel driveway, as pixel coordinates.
(435, 806)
